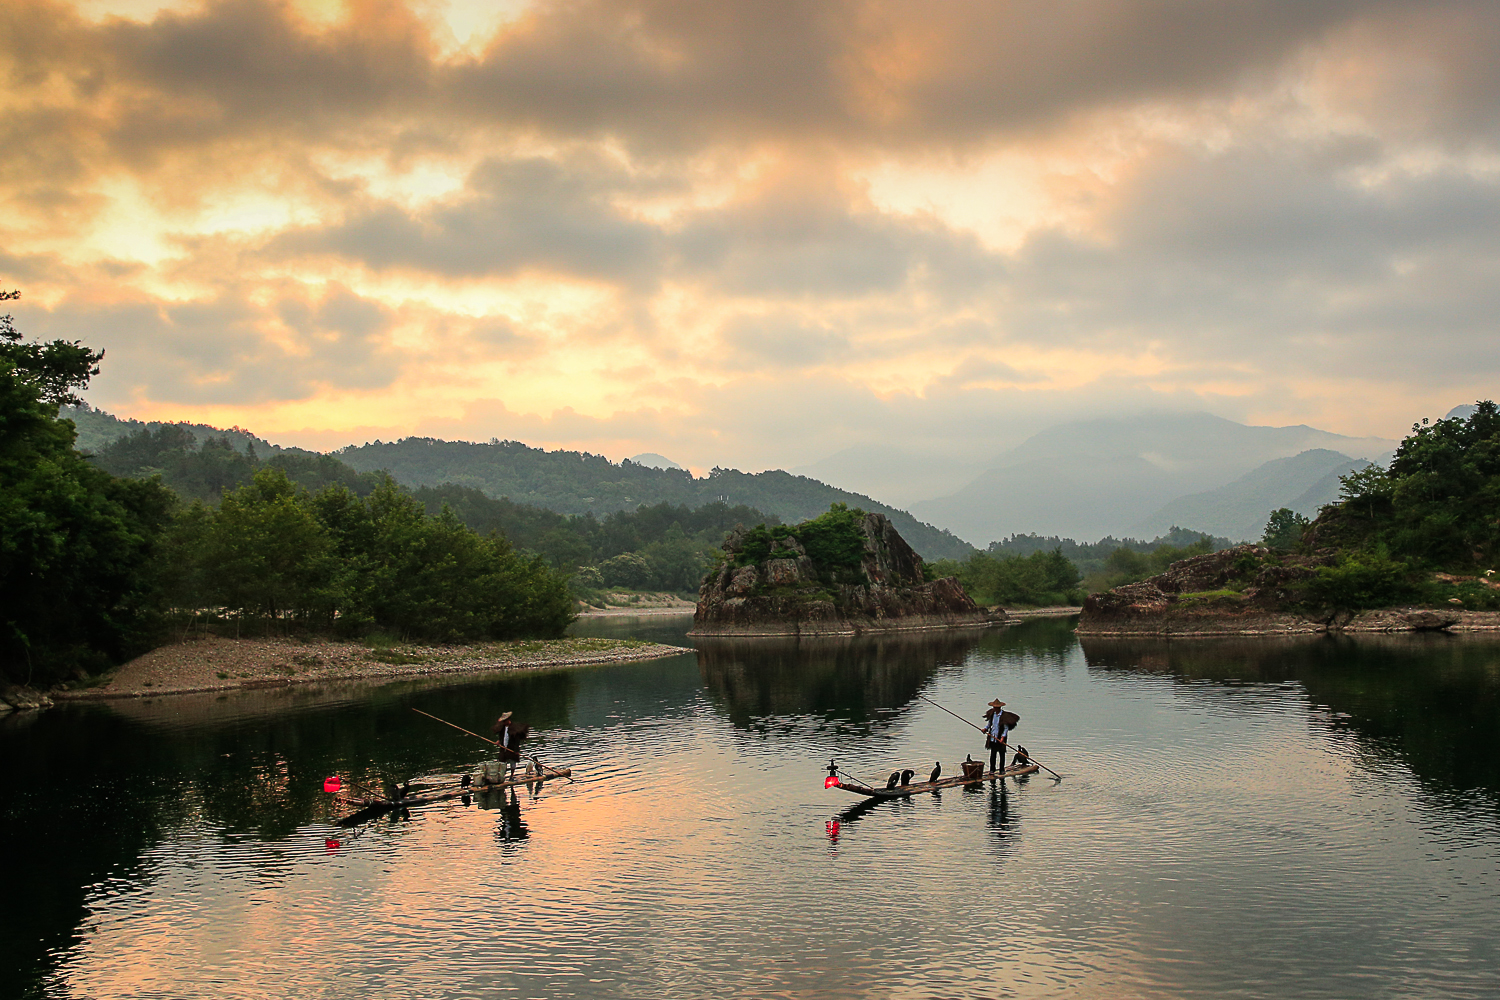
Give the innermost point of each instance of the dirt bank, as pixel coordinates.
(217, 664)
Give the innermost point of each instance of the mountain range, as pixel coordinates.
(1090, 478)
(1136, 475)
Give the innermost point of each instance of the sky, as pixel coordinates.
(754, 234)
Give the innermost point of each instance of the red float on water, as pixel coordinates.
(333, 784)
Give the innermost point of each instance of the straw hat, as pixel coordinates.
(503, 716)
(997, 703)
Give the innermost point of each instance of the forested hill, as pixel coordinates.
(573, 482)
(98, 428)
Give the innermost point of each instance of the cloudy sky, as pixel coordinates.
(754, 234)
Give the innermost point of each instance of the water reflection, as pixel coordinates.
(763, 683)
(1206, 794)
(1430, 702)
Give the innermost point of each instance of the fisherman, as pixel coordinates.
(508, 736)
(995, 732)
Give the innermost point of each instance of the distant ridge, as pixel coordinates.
(574, 482)
(654, 460)
(1091, 478)
(97, 428)
(1239, 510)
(566, 482)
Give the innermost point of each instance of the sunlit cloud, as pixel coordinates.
(755, 234)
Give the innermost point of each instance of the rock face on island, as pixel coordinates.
(1244, 590)
(843, 573)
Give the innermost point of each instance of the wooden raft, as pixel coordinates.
(917, 787)
(358, 807)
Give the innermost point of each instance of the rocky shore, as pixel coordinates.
(211, 663)
(788, 593)
(1242, 591)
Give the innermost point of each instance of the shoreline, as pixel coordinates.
(214, 664)
(1199, 623)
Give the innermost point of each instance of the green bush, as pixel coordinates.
(1037, 580)
(1363, 580)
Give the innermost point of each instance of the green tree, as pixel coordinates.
(1284, 528)
(269, 555)
(76, 544)
(55, 371)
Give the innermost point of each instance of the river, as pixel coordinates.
(1310, 817)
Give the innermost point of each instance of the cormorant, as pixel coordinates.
(895, 777)
(906, 776)
(466, 781)
(936, 771)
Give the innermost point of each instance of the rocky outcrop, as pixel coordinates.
(788, 593)
(1246, 590)
(22, 699)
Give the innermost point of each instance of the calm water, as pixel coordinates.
(1274, 818)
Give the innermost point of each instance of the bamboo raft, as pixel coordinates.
(918, 787)
(358, 808)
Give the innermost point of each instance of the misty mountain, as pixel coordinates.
(895, 475)
(573, 482)
(654, 460)
(1091, 478)
(1238, 510)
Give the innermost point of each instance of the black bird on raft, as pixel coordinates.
(906, 776)
(936, 772)
(466, 781)
(891, 781)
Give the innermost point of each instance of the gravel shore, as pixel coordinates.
(217, 664)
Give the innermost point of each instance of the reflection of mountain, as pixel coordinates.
(847, 679)
(1430, 700)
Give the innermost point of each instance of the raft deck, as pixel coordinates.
(916, 788)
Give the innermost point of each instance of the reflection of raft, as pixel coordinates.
(916, 788)
(357, 808)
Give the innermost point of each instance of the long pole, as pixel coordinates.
(493, 743)
(966, 722)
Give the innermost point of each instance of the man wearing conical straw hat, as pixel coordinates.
(508, 737)
(996, 731)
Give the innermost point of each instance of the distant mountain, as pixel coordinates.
(895, 476)
(572, 482)
(1100, 477)
(654, 460)
(96, 429)
(1238, 510)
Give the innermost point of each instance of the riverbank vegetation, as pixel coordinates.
(95, 568)
(1023, 572)
(1427, 528)
(1425, 531)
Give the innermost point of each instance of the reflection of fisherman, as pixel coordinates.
(508, 737)
(995, 732)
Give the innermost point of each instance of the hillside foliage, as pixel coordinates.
(95, 567)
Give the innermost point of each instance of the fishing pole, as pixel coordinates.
(493, 743)
(966, 722)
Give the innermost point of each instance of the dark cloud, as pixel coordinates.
(513, 216)
(674, 77)
(1267, 258)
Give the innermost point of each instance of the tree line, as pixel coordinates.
(1425, 529)
(94, 567)
(662, 546)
